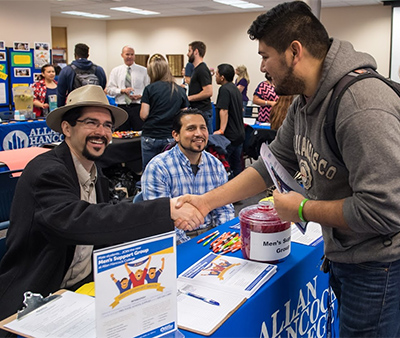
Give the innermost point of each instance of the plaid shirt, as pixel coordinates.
(39, 93)
(169, 174)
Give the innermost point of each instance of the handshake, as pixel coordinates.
(188, 211)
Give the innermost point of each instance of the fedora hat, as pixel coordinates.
(85, 96)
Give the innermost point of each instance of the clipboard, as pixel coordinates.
(209, 333)
(50, 301)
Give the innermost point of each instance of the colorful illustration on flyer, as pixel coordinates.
(140, 280)
(218, 268)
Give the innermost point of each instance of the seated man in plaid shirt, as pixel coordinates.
(187, 169)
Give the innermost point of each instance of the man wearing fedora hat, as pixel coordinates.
(60, 209)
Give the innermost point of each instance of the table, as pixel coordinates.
(24, 134)
(293, 303)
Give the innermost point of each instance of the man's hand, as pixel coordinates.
(196, 200)
(287, 205)
(186, 217)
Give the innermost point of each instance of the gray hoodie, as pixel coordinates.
(368, 136)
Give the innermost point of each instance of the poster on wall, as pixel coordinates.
(2, 45)
(41, 54)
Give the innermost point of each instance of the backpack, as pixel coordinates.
(338, 91)
(85, 77)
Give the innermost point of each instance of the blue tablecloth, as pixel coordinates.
(293, 303)
(15, 135)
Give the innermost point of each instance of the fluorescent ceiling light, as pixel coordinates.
(88, 15)
(238, 3)
(248, 5)
(134, 10)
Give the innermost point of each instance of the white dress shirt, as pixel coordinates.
(116, 81)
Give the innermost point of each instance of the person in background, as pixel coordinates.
(200, 87)
(61, 208)
(265, 96)
(187, 169)
(66, 78)
(229, 116)
(356, 198)
(57, 68)
(188, 71)
(126, 84)
(161, 100)
(45, 91)
(279, 111)
(242, 82)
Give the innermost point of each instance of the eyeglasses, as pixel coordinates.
(93, 124)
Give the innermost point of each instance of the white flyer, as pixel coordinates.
(283, 181)
(136, 288)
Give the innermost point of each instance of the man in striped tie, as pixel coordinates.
(126, 84)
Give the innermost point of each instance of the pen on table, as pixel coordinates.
(210, 239)
(221, 238)
(208, 236)
(204, 299)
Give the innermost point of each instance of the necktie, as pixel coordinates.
(128, 83)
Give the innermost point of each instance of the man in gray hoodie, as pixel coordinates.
(357, 200)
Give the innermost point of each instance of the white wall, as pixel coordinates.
(27, 21)
(91, 32)
(367, 27)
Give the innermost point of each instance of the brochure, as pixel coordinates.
(283, 181)
(215, 287)
(135, 285)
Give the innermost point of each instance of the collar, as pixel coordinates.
(85, 178)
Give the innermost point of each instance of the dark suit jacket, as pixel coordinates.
(48, 219)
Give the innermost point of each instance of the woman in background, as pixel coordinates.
(161, 100)
(45, 91)
(242, 82)
(279, 111)
(266, 98)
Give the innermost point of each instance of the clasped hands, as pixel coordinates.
(188, 211)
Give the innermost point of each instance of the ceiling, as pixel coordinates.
(171, 8)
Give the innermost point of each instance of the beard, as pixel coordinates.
(289, 84)
(191, 58)
(193, 148)
(90, 156)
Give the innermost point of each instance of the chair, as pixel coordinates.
(6, 115)
(3, 226)
(8, 182)
(138, 197)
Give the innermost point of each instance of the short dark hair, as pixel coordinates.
(177, 122)
(72, 115)
(200, 46)
(227, 71)
(288, 22)
(82, 50)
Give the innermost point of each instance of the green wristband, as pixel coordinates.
(303, 202)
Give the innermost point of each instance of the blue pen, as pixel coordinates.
(204, 299)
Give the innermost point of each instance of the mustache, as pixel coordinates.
(104, 139)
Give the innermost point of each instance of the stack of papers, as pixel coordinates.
(217, 279)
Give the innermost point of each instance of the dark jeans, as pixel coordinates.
(134, 122)
(152, 147)
(234, 158)
(369, 298)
